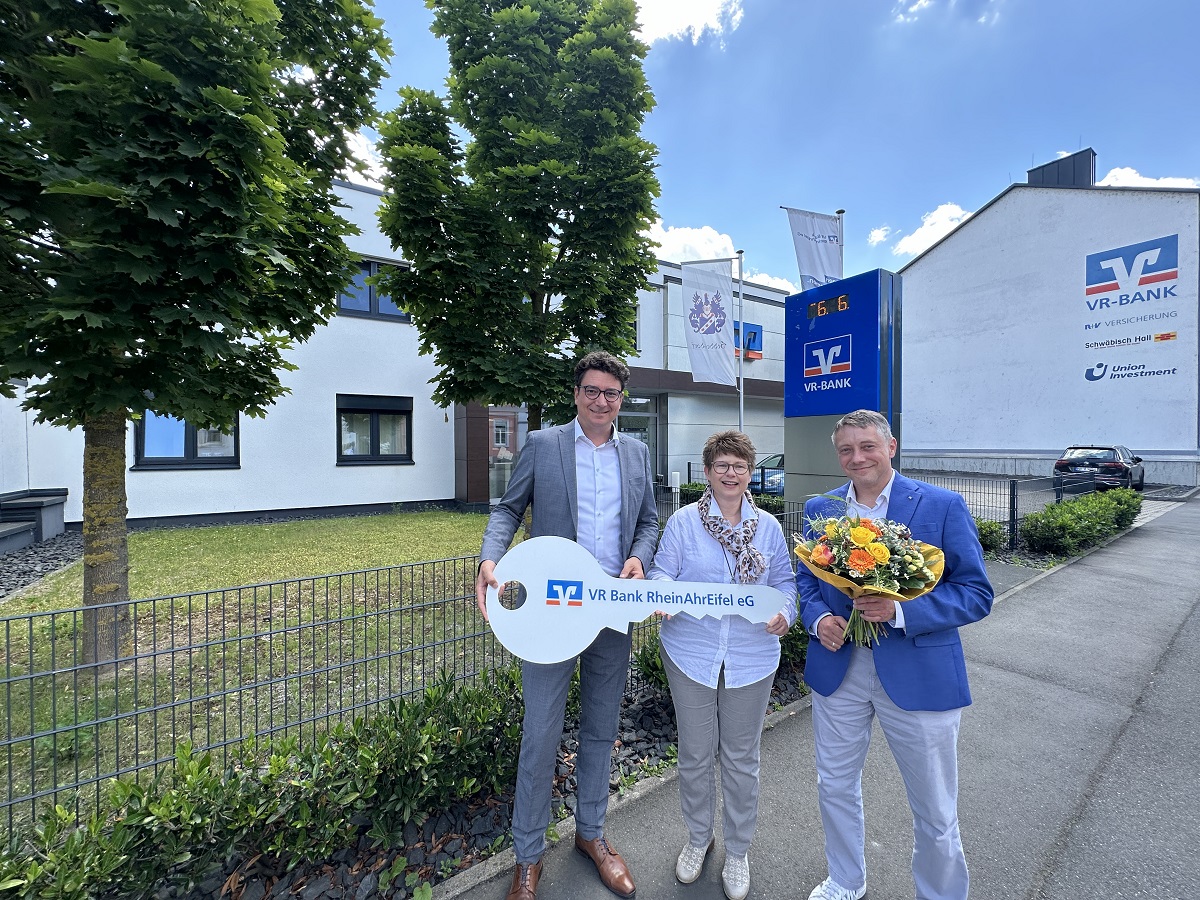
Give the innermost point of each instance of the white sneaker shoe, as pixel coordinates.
(831, 890)
(735, 877)
(690, 862)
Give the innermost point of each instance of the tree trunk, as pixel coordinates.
(105, 541)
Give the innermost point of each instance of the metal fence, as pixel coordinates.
(286, 659)
(1009, 500)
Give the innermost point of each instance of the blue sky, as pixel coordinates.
(910, 116)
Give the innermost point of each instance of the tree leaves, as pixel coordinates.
(526, 244)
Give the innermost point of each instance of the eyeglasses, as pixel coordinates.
(722, 468)
(612, 395)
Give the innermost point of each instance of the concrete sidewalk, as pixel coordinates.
(1079, 760)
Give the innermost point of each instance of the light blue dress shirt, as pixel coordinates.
(598, 494)
(701, 646)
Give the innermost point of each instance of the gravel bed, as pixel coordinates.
(25, 566)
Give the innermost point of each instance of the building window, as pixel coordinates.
(499, 433)
(374, 430)
(164, 442)
(363, 299)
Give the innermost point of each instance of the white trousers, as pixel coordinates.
(924, 744)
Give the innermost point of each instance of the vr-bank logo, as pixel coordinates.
(560, 592)
(1136, 273)
(827, 357)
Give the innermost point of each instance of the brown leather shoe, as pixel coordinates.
(525, 882)
(613, 871)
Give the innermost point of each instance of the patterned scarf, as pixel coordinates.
(750, 563)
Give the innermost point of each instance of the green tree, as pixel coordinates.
(527, 244)
(168, 219)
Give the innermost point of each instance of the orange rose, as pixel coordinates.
(821, 555)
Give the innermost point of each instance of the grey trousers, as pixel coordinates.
(924, 744)
(603, 671)
(724, 723)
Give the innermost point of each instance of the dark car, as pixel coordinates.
(767, 476)
(1112, 466)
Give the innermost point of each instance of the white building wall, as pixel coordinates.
(14, 445)
(695, 417)
(997, 328)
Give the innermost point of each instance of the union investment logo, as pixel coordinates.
(1133, 274)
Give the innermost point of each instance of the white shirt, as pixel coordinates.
(701, 646)
(598, 498)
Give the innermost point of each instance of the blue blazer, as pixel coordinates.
(922, 665)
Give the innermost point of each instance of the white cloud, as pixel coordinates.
(934, 226)
(1128, 177)
(911, 10)
(681, 244)
(879, 235)
(363, 149)
(662, 19)
(770, 281)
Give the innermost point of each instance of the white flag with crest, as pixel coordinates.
(818, 240)
(708, 320)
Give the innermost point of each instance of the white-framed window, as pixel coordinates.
(499, 432)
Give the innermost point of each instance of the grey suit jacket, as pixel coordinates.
(545, 476)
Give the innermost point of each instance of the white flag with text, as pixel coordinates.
(818, 240)
(708, 320)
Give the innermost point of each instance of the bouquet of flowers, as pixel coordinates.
(869, 556)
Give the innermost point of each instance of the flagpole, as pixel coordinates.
(741, 341)
(841, 244)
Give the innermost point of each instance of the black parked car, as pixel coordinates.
(767, 476)
(1113, 466)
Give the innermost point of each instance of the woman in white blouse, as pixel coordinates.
(721, 669)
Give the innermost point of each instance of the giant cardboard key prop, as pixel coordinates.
(569, 598)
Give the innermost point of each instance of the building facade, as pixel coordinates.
(1057, 314)
(359, 432)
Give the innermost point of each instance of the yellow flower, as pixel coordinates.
(831, 530)
(861, 535)
(880, 552)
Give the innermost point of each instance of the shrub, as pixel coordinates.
(647, 660)
(793, 646)
(287, 803)
(1066, 528)
(991, 534)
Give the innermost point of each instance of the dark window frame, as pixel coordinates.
(190, 458)
(372, 267)
(374, 405)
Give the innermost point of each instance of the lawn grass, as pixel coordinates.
(170, 561)
(221, 666)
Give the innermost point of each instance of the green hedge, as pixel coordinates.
(1067, 528)
(769, 503)
(991, 534)
(289, 804)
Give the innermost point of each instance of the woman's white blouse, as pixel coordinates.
(700, 646)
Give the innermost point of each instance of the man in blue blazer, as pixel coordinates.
(914, 679)
(589, 484)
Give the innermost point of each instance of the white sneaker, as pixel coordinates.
(831, 890)
(735, 877)
(690, 862)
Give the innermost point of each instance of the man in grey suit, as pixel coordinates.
(591, 485)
